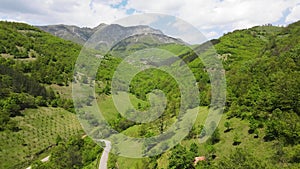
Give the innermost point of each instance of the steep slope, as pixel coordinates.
(262, 107)
(47, 58)
(72, 33)
(269, 84)
(252, 60)
(106, 37)
(114, 37)
(81, 35)
(33, 118)
(143, 41)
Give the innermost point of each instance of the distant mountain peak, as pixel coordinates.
(100, 26)
(81, 35)
(69, 32)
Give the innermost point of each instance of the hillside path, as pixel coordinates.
(104, 156)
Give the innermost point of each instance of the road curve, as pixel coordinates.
(104, 156)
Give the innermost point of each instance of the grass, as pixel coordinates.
(175, 48)
(223, 148)
(64, 91)
(109, 110)
(131, 163)
(240, 128)
(39, 130)
(163, 162)
(124, 162)
(94, 164)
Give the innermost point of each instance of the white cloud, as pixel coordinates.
(61, 12)
(156, 6)
(211, 34)
(208, 16)
(185, 31)
(137, 19)
(180, 25)
(294, 15)
(226, 14)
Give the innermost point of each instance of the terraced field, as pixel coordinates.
(39, 130)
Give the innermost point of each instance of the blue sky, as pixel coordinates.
(212, 17)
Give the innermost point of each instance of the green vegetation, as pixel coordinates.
(261, 113)
(38, 130)
(75, 153)
(262, 108)
(35, 115)
(134, 43)
(55, 57)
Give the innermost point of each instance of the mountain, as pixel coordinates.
(106, 37)
(142, 41)
(68, 32)
(103, 37)
(81, 35)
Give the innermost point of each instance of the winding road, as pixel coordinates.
(104, 157)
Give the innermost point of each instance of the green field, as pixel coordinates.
(39, 129)
(222, 149)
(109, 110)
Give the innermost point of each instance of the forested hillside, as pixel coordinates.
(31, 60)
(52, 58)
(259, 129)
(265, 87)
(262, 107)
(35, 120)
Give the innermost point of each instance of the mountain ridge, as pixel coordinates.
(82, 34)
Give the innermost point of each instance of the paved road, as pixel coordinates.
(104, 157)
(45, 159)
(42, 160)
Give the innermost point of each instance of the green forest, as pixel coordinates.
(35, 118)
(259, 129)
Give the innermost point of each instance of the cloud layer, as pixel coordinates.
(213, 17)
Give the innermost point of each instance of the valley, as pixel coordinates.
(259, 128)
